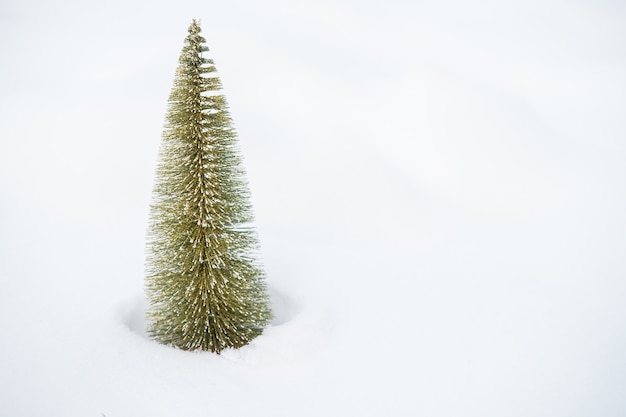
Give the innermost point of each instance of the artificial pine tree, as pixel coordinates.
(205, 287)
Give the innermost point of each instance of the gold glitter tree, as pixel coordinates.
(205, 287)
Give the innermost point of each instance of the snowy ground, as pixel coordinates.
(440, 192)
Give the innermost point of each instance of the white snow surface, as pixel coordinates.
(439, 189)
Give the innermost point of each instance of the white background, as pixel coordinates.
(439, 188)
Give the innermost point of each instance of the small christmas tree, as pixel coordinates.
(205, 287)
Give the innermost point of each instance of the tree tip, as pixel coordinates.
(194, 27)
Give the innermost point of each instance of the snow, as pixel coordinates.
(439, 190)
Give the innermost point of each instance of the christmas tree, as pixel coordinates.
(205, 287)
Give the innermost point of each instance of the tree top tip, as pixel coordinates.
(194, 27)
